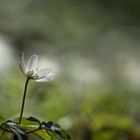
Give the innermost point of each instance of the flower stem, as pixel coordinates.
(23, 100)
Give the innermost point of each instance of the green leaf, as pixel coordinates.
(18, 132)
(33, 119)
(42, 135)
(29, 124)
(65, 135)
(60, 133)
(5, 134)
(44, 130)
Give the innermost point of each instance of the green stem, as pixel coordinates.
(23, 100)
(32, 131)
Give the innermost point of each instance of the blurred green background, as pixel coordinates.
(92, 46)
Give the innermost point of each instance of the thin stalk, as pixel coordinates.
(23, 100)
(32, 131)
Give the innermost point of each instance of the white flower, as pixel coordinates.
(30, 69)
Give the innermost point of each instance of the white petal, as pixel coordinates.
(43, 73)
(21, 62)
(32, 64)
(49, 77)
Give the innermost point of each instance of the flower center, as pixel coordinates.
(30, 73)
(35, 76)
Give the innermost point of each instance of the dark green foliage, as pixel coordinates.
(43, 130)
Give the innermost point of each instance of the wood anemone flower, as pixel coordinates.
(31, 71)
